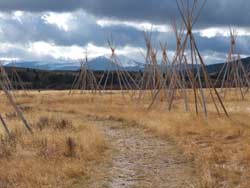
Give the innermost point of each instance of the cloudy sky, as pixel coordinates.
(64, 29)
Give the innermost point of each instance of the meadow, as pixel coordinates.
(68, 146)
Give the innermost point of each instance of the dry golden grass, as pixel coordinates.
(60, 153)
(218, 145)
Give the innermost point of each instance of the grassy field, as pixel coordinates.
(65, 147)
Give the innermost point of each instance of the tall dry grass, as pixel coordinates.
(61, 152)
(218, 145)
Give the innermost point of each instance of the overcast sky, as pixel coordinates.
(63, 29)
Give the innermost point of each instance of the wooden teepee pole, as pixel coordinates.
(12, 102)
(189, 13)
(85, 79)
(234, 74)
(4, 125)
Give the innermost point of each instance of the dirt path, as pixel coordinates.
(140, 160)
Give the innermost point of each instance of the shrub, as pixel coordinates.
(71, 147)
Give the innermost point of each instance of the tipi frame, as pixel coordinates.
(190, 11)
(233, 73)
(116, 72)
(5, 86)
(85, 80)
(152, 79)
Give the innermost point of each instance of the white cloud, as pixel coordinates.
(29, 36)
(61, 20)
(222, 31)
(142, 26)
(42, 49)
(211, 57)
(17, 15)
(3, 60)
(96, 51)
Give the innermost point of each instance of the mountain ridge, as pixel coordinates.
(101, 63)
(97, 64)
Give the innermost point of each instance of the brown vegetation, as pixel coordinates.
(219, 145)
(60, 153)
(64, 139)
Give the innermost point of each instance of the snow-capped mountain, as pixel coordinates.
(45, 65)
(104, 63)
(97, 64)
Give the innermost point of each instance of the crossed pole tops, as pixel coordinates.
(112, 50)
(233, 36)
(164, 52)
(154, 57)
(84, 61)
(111, 46)
(232, 51)
(190, 11)
(148, 37)
(164, 55)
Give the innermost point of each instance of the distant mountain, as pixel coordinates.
(59, 75)
(97, 64)
(131, 64)
(103, 63)
(216, 68)
(45, 65)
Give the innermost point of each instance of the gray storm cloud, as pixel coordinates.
(216, 12)
(83, 29)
